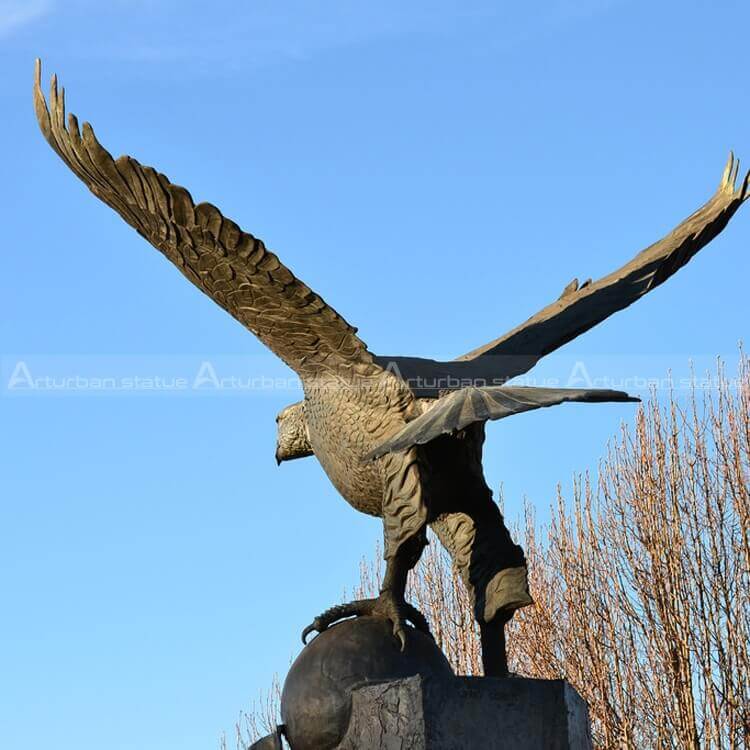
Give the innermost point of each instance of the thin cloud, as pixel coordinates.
(265, 32)
(14, 14)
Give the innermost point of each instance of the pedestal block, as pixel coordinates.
(468, 713)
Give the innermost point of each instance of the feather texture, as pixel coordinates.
(580, 308)
(231, 266)
(459, 409)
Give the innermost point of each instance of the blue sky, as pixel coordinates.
(438, 172)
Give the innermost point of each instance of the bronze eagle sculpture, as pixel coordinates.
(399, 437)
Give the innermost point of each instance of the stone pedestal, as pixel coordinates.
(354, 688)
(467, 713)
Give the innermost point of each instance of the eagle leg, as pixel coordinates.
(391, 604)
(494, 656)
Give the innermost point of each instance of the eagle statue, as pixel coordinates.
(399, 437)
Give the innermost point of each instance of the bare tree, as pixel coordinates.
(642, 584)
(261, 719)
(641, 581)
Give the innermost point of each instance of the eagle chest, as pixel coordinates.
(345, 422)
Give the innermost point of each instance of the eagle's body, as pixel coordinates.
(346, 421)
(399, 437)
(440, 483)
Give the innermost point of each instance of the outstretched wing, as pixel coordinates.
(231, 266)
(581, 307)
(459, 409)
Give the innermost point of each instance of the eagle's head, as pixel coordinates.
(292, 440)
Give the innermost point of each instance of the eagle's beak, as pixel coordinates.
(278, 458)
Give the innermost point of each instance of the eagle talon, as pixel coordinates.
(334, 614)
(398, 611)
(400, 633)
(388, 605)
(314, 626)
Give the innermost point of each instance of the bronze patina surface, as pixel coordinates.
(400, 437)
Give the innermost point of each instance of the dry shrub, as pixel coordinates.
(641, 582)
(261, 719)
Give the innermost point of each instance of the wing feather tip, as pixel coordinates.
(40, 102)
(730, 176)
(610, 394)
(632, 399)
(73, 125)
(727, 170)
